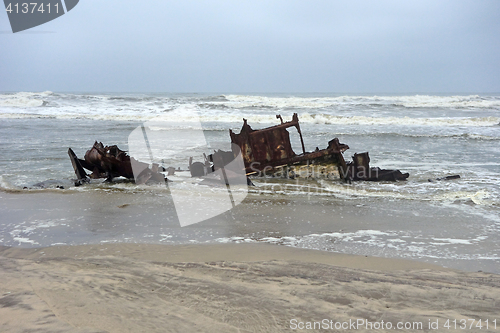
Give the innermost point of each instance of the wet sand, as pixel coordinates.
(229, 288)
(401, 230)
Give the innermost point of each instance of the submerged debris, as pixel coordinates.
(446, 178)
(359, 169)
(265, 152)
(110, 162)
(269, 152)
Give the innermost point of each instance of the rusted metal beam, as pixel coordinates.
(110, 162)
(270, 147)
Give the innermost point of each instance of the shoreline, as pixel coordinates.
(198, 253)
(416, 233)
(227, 287)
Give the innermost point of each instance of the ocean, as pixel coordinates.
(455, 223)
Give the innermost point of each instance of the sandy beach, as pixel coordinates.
(234, 288)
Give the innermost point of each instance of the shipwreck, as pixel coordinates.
(266, 152)
(110, 162)
(269, 151)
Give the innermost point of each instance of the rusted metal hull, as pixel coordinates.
(266, 150)
(110, 162)
(359, 169)
(269, 152)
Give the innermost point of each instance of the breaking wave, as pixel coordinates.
(265, 119)
(415, 101)
(24, 99)
(391, 243)
(362, 120)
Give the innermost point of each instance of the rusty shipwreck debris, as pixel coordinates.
(445, 178)
(268, 151)
(359, 169)
(231, 172)
(265, 152)
(110, 162)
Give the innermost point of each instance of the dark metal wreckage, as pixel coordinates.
(265, 152)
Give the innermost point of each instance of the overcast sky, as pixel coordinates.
(258, 46)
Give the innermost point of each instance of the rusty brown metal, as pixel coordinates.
(268, 148)
(264, 151)
(359, 169)
(266, 145)
(110, 162)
